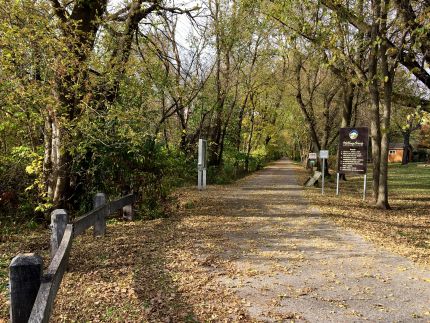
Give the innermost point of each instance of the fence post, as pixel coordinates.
(127, 212)
(25, 272)
(59, 220)
(100, 223)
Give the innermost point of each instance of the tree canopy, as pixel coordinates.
(113, 95)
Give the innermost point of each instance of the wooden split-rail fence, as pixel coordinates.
(32, 292)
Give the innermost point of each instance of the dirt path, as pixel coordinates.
(255, 251)
(291, 263)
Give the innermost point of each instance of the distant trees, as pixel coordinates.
(406, 122)
(316, 93)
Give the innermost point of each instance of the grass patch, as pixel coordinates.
(3, 275)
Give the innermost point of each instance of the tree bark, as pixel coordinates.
(240, 121)
(348, 92)
(251, 133)
(382, 201)
(309, 120)
(375, 128)
(406, 146)
(215, 129)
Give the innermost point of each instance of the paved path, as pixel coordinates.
(290, 263)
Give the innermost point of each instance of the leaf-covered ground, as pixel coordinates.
(10, 246)
(253, 251)
(405, 229)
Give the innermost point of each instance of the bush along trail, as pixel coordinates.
(253, 251)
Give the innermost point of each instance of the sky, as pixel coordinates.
(184, 27)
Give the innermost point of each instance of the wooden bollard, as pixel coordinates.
(100, 222)
(59, 220)
(25, 272)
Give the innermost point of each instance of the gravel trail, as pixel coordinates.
(291, 263)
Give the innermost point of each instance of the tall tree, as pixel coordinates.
(76, 84)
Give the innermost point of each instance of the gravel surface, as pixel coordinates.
(290, 263)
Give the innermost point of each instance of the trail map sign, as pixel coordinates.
(352, 158)
(353, 143)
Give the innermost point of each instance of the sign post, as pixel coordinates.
(323, 156)
(201, 165)
(352, 158)
(337, 184)
(364, 187)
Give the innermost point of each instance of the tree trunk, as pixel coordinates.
(406, 146)
(251, 132)
(57, 163)
(215, 137)
(310, 122)
(216, 129)
(348, 92)
(382, 201)
(375, 129)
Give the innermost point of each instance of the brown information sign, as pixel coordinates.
(353, 144)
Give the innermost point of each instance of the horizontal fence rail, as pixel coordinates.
(122, 202)
(88, 220)
(33, 292)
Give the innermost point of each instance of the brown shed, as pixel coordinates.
(395, 152)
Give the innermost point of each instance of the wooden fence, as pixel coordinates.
(32, 291)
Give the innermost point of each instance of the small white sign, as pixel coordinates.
(201, 165)
(323, 154)
(202, 153)
(312, 155)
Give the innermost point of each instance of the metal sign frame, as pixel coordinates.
(323, 156)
